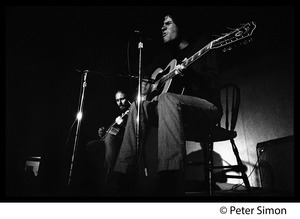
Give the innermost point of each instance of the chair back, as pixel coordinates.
(230, 99)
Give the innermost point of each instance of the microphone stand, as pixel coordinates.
(139, 147)
(79, 116)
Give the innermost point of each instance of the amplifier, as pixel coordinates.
(276, 164)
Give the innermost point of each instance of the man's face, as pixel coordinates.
(169, 30)
(121, 101)
(145, 88)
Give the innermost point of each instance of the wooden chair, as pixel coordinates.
(223, 132)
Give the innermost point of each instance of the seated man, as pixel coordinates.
(191, 101)
(102, 153)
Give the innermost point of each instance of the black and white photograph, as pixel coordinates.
(116, 103)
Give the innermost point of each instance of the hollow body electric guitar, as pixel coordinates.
(113, 128)
(162, 78)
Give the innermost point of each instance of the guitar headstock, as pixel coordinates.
(241, 34)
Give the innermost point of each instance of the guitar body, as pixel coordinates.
(161, 86)
(114, 129)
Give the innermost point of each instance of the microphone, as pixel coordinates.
(148, 80)
(142, 35)
(82, 71)
(89, 71)
(103, 74)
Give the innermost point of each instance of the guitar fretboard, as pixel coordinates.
(187, 62)
(197, 55)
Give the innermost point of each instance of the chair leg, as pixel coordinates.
(208, 166)
(241, 166)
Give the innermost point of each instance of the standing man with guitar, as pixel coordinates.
(175, 105)
(102, 153)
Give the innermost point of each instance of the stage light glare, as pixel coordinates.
(79, 116)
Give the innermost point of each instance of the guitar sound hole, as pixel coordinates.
(160, 75)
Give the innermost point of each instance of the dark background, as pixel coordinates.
(45, 45)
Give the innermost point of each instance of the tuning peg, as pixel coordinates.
(246, 41)
(226, 49)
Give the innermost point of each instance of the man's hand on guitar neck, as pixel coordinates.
(119, 120)
(179, 68)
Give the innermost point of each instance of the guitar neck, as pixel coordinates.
(197, 55)
(187, 62)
